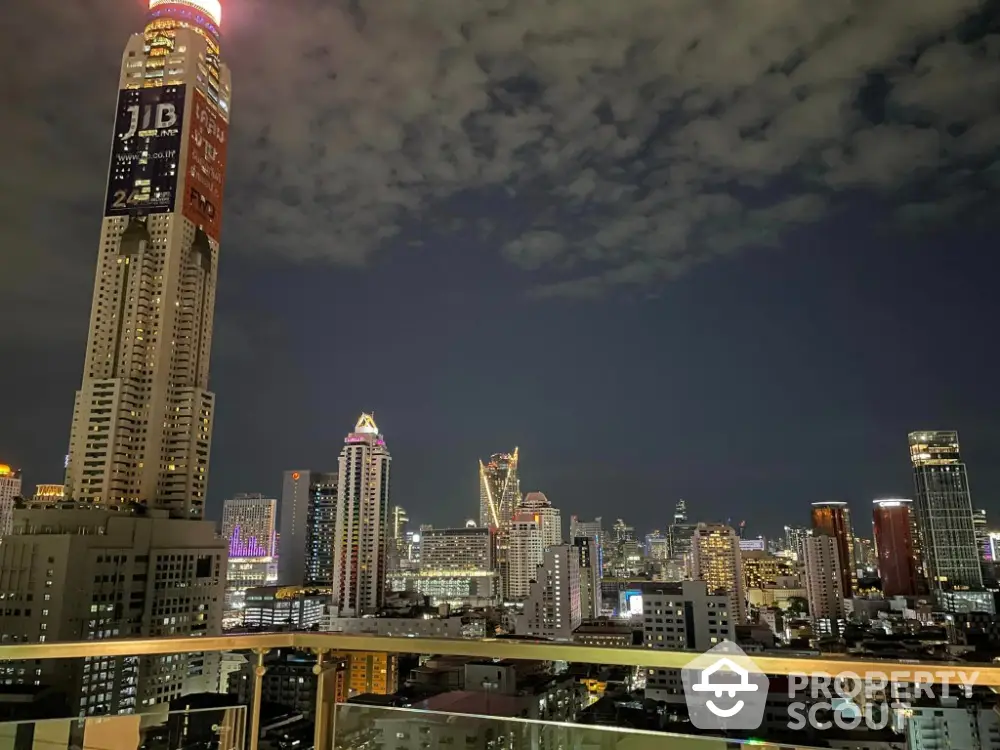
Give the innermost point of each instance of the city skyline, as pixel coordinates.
(736, 373)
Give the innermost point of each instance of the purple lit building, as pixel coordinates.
(249, 523)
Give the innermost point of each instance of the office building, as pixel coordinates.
(834, 519)
(761, 569)
(682, 616)
(947, 534)
(88, 574)
(892, 524)
(277, 607)
(590, 576)
(549, 518)
(793, 540)
(470, 588)
(362, 525)
(307, 527)
(524, 556)
(10, 488)
(126, 554)
(657, 547)
(248, 524)
(396, 547)
(592, 529)
(716, 561)
(552, 608)
(454, 550)
(499, 489)
(979, 523)
(824, 582)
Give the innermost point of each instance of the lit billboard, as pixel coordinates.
(145, 155)
(206, 166)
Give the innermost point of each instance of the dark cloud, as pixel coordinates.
(666, 134)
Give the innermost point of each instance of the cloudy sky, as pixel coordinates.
(725, 250)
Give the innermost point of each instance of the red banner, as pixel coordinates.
(206, 167)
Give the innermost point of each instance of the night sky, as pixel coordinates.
(726, 251)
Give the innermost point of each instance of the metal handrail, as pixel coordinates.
(500, 648)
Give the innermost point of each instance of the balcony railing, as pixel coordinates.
(340, 725)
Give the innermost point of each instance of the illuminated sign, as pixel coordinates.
(146, 151)
(206, 167)
(211, 8)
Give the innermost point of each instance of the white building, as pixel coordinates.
(525, 550)
(467, 549)
(86, 574)
(552, 609)
(10, 487)
(823, 582)
(953, 722)
(142, 419)
(716, 560)
(549, 518)
(362, 528)
(678, 617)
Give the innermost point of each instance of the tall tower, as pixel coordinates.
(716, 557)
(362, 529)
(499, 489)
(944, 511)
(834, 519)
(897, 558)
(549, 519)
(127, 555)
(142, 419)
(824, 582)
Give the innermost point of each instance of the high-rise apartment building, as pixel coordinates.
(715, 550)
(684, 616)
(362, 529)
(10, 488)
(947, 534)
(552, 609)
(396, 546)
(142, 419)
(590, 576)
(307, 526)
(892, 524)
(793, 540)
(979, 523)
(470, 549)
(549, 518)
(524, 556)
(834, 519)
(824, 582)
(593, 530)
(249, 525)
(125, 554)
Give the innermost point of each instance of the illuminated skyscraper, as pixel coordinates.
(248, 524)
(824, 582)
(525, 555)
(715, 550)
(897, 559)
(979, 523)
(499, 489)
(142, 420)
(944, 511)
(10, 488)
(549, 518)
(127, 555)
(362, 530)
(834, 519)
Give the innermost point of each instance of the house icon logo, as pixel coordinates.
(724, 689)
